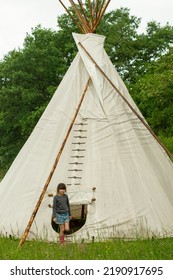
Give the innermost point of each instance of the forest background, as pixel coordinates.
(30, 75)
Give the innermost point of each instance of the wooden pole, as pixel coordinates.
(83, 11)
(91, 14)
(102, 11)
(130, 106)
(100, 8)
(79, 16)
(95, 11)
(73, 18)
(53, 168)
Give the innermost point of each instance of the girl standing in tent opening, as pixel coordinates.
(61, 210)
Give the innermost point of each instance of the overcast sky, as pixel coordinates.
(17, 17)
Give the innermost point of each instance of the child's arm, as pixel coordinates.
(68, 204)
(54, 209)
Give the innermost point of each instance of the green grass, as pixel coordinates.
(156, 249)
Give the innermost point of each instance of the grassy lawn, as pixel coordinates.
(156, 249)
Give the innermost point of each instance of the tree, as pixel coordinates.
(28, 78)
(154, 95)
(129, 51)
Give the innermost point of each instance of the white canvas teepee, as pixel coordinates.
(113, 166)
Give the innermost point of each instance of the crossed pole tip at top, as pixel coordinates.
(86, 14)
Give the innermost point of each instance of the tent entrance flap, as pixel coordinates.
(79, 214)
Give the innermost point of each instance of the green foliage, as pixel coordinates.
(121, 34)
(129, 51)
(156, 249)
(154, 95)
(28, 78)
(168, 142)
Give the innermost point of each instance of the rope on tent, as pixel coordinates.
(126, 101)
(53, 168)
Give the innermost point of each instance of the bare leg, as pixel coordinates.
(61, 233)
(66, 226)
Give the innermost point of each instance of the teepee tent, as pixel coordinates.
(93, 138)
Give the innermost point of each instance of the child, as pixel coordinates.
(61, 210)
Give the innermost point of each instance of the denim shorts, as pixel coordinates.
(62, 218)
